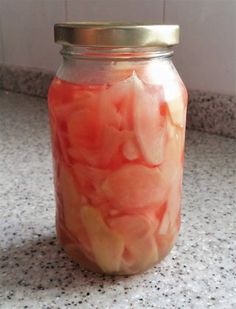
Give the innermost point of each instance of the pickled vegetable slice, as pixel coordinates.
(166, 241)
(174, 199)
(72, 202)
(74, 248)
(81, 101)
(172, 165)
(134, 226)
(130, 150)
(101, 154)
(93, 132)
(148, 122)
(140, 246)
(130, 147)
(89, 180)
(164, 225)
(175, 96)
(84, 128)
(135, 186)
(120, 95)
(174, 147)
(59, 140)
(107, 245)
(144, 254)
(66, 94)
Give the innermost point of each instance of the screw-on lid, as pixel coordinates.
(103, 34)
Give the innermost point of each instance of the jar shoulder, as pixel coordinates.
(152, 71)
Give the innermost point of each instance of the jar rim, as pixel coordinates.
(107, 34)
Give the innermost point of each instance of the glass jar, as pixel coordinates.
(117, 110)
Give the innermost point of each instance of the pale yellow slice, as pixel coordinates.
(107, 245)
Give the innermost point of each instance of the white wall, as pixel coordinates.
(206, 57)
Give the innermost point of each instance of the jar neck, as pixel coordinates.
(121, 53)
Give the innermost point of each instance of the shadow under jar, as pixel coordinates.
(117, 110)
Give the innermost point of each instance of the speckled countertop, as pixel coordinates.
(200, 272)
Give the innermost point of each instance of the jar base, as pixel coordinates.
(73, 251)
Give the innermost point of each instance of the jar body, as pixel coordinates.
(118, 128)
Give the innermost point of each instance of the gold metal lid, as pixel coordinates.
(103, 34)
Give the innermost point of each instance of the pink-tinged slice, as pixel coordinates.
(148, 123)
(130, 147)
(120, 96)
(175, 142)
(89, 180)
(111, 141)
(175, 96)
(130, 150)
(140, 246)
(100, 155)
(135, 186)
(84, 127)
(164, 224)
(134, 226)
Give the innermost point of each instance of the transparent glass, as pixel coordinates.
(118, 128)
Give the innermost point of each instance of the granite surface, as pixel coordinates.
(29, 81)
(200, 272)
(207, 112)
(212, 113)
